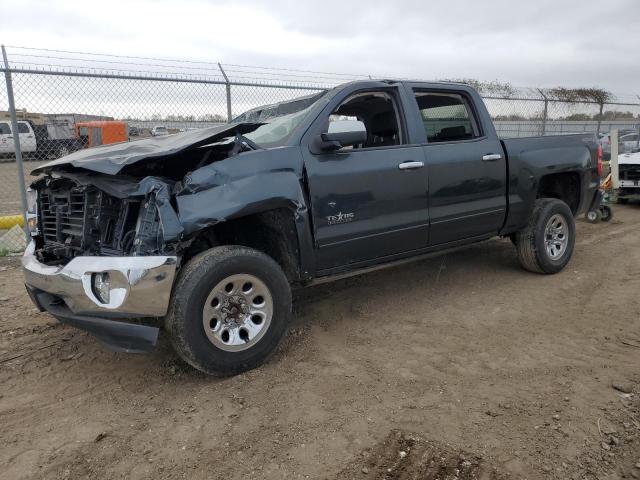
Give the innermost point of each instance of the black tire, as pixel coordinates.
(532, 252)
(623, 200)
(184, 321)
(606, 213)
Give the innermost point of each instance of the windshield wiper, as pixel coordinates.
(242, 139)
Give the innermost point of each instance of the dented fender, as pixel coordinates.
(250, 183)
(237, 198)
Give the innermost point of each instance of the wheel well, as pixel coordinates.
(563, 186)
(272, 232)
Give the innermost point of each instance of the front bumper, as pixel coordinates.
(140, 286)
(629, 184)
(116, 335)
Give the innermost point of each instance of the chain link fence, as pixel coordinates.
(66, 101)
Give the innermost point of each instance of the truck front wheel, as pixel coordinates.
(229, 310)
(546, 244)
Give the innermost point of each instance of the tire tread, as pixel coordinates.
(189, 278)
(528, 254)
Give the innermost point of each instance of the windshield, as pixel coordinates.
(277, 130)
(280, 119)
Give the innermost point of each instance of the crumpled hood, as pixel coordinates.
(110, 159)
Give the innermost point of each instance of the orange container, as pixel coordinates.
(102, 132)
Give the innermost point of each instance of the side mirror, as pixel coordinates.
(343, 133)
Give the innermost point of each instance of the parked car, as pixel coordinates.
(26, 135)
(629, 143)
(159, 131)
(209, 231)
(35, 142)
(605, 142)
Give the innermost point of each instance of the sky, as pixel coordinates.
(540, 43)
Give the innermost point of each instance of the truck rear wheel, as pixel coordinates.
(546, 244)
(230, 308)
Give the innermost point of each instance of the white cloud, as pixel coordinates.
(541, 43)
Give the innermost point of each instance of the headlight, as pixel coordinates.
(32, 211)
(101, 286)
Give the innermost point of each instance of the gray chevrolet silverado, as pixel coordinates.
(205, 233)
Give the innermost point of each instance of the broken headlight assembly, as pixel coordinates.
(32, 211)
(101, 286)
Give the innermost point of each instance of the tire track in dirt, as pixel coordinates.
(464, 350)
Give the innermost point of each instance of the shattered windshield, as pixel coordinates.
(278, 129)
(280, 120)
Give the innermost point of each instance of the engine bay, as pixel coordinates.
(76, 219)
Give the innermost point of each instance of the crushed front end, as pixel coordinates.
(97, 259)
(106, 234)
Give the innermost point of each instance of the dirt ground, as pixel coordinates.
(461, 366)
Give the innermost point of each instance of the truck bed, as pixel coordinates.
(531, 158)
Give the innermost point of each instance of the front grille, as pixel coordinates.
(62, 216)
(630, 172)
(82, 220)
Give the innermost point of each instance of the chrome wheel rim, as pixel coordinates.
(237, 312)
(556, 236)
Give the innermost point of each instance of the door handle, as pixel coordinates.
(410, 165)
(491, 157)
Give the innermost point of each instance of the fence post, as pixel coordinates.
(16, 141)
(599, 119)
(228, 87)
(545, 113)
(613, 161)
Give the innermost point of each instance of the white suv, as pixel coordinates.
(159, 131)
(26, 135)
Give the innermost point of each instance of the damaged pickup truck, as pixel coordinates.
(205, 233)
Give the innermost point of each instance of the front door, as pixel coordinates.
(368, 201)
(6, 138)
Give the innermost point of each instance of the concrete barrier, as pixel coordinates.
(10, 221)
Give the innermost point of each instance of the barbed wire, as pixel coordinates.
(107, 64)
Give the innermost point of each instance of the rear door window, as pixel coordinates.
(447, 117)
(23, 128)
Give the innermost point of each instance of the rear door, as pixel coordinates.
(27, 137)
(95, 136)
(466, 164)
